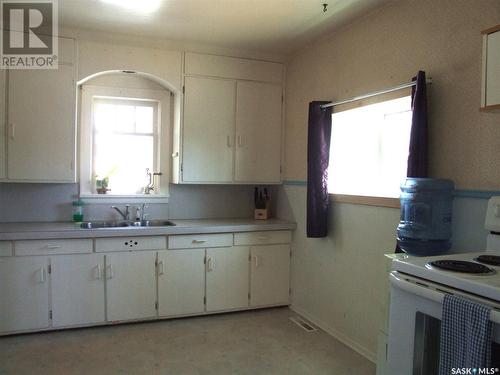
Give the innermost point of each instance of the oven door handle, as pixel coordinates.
(430, 294)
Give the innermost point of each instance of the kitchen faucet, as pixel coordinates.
(124, 214)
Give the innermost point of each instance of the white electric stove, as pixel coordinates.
(418, 286)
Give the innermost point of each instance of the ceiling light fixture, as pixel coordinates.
(143, 6)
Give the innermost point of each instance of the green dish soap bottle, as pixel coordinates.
(78, 211)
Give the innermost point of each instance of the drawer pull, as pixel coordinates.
(262, 238)
(53, 246)
(199, 241)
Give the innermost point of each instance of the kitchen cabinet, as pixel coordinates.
(208, 131)
(181, 282)
(130, 285)
(227, 275)
(490, 95)
(231, 131)
(41, 130)
(258, 132)
(2, 124)
(269, 275)
(77, 289)
(24, 291)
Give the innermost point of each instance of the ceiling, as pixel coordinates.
(278, 26)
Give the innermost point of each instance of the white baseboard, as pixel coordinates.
(368, 354)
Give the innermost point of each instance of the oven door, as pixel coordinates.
(415, 325)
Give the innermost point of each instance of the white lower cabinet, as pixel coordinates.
(269, 275)
(96, 286)
(227, 278)
(24, 293)
(77, 289)
(131, 285)
(181, 282)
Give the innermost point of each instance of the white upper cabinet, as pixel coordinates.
(232, 125)
(41, 122)
(208, 130)
(490, 98)
(258, 132)
(2, 124)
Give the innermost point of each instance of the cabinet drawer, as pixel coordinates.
(49, 247)
(5, 248)
(263, 238)
(130, 243)
(200, 241)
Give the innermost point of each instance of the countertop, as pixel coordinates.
(52, 230)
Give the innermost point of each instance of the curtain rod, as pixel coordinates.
(375, 93)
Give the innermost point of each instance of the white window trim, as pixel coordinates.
(88, 92)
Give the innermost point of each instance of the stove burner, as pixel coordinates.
(492, 260)
(461, 266)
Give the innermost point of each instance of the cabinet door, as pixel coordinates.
(24, 293)
(131, 285)
(208, 130)
(2, 124)
(41, 137)
(270, 275)
(227, 278)
(77, 289)
(493, 69)
(258, 132)
(181, 282)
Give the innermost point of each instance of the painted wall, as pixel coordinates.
(52, 202)
(340, 281)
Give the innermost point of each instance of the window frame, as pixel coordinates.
(369, 200)
(163, 118)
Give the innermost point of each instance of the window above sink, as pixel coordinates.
(124, 143)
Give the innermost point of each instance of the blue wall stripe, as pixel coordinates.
(461, 193)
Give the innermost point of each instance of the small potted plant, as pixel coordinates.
(101, 185)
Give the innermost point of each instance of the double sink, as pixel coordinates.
(125, 224)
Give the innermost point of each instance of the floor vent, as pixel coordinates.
(306, 326)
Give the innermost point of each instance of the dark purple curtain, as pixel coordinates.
(417, 154)
(318, 153)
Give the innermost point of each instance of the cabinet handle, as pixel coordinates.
(229, 141)
(199, 241)
(256, 260)
(240, 142)
(42, 274)
(12, 131)
(99, 272)
(209, 265)
(111, 273)
(262, 238)
(161, 269)
(53, 246)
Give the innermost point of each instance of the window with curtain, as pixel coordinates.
(369, 147)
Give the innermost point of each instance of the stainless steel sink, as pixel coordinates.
(152, 223)
(125, 224)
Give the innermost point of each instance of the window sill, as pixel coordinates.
(123, 199)
(366, 200)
